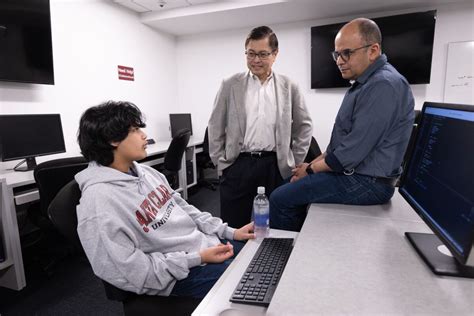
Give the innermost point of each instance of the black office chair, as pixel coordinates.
(411, 142)
(44, 246)
(174, 156)
(50, 177)
(62, 213)
(203, 161)
(410, 146)
(313, 152)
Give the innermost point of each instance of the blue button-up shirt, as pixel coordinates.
(374, 123)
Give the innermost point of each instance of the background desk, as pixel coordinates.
(12, 182)
(356, 260)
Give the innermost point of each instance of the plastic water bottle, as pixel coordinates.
(261, 214)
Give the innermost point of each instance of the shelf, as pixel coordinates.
(26, 197)
(5, 264)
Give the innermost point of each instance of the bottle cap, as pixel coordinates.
(261, 190)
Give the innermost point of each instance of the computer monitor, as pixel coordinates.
(180, 121)
(438, 184)
(30, 135)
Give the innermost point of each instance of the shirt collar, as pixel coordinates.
(254, 77)
(379, 62)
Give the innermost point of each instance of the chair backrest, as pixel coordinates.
(313, 152)
(51, 176)
(176, 150)
(205, 143)
(411, 141)
(203, 160)
(62, 213)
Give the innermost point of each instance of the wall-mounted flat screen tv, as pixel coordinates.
(407, 40)
(26, 52)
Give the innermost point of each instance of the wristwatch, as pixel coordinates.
(309, 170)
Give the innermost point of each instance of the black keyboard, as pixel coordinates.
(260, 280)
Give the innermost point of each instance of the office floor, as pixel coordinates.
(72, 288)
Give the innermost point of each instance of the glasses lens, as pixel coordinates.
(346, 54)
(261, 55)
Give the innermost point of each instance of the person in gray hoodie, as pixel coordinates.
(137, 232)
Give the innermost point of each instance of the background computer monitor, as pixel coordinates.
(438, 184)
(179, 121)
(29, 136)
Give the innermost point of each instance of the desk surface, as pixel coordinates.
(356, 260)
(352, 260)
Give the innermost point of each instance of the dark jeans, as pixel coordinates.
(288, 203)
(202, 278)
(239, 184)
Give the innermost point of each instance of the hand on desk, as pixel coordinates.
(217, 254)
(244, 232)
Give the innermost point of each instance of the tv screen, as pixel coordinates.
(26, 53)
(407, 40)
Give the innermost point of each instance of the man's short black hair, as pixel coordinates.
(103, 124)
(262, 32)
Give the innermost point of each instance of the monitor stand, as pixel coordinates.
(427, 247)
(30, 164)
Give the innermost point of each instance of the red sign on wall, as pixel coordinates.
(126, 73)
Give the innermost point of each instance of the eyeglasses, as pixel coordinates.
(262, 55)
(345, 54)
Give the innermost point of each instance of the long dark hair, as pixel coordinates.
(103, 124)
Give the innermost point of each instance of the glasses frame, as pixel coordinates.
(264, 57)
(335, 54)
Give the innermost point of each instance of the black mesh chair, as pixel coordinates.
(411, 144)
(203, 161)
(62, 213)
(50, 177)
(43, 245)
(313, 152)
(174, 156)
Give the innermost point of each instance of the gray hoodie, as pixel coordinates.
(139, 234)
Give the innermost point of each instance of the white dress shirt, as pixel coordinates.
(260, 109)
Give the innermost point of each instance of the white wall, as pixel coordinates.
(90, 38)
(204, 60)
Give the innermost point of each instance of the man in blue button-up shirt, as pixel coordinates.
(369, 138)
